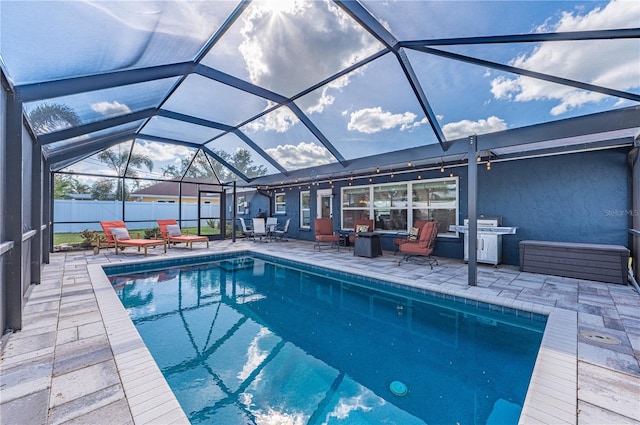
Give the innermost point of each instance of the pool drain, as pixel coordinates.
(398, 388)
(601, 338)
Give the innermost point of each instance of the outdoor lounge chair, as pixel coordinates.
(324, 233)
(359, 226)
(117, 235)
(424, 247)
(172, 234)
(411, 238)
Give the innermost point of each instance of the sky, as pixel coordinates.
(288, 46)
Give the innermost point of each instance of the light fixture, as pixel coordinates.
(419, 176)
(488, 165)
(370, 179)
(451, 174)
(351, 178)
(478, 158)
(409, 164)
(391, 175)
(377, 169)
(442, 168)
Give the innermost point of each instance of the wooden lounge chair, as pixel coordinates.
(117, 235)
(419, 224)
(173, 235)
(424, 247)
(324, 233)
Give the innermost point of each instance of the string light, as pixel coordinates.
(451, 174)
(377, 169)
(488, 165)
(409, 164)
(442, 168)
(419, 176)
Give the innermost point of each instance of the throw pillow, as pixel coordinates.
(362, 228)
(413, 234)
(173, 230)
(120, 233)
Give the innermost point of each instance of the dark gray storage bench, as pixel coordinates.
(603, 263)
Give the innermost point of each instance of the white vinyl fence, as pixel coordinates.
(89, 213)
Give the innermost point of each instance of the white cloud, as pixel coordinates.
(612, 64)
(279, 120)
(110, 108)
(160, 152)
(303, 155)
(464, 128)
(374, 120)
(285, 50)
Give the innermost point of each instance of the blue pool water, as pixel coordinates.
(249, 340)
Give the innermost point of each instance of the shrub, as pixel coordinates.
(152, 233)
(88, 237)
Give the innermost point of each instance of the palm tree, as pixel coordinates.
(120, 160)
(50, 117)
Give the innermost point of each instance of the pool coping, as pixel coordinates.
(552, 395)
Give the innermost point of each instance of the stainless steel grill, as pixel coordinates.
(489, 242)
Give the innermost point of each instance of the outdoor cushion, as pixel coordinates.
(413, 234)
(173, 230)
(120, 233)
(362, 228)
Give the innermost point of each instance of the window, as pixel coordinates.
(281, 204)
(242, 204)
(355, 205)
(395, 207)
(305, 209)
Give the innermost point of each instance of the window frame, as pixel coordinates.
(443, 233)
(282, 204)
(240, 206)
(302, 209)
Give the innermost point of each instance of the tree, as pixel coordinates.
(119, 160)
(102, 190)
(50, 117)
(201, 168)
(242, 161)
(64, 185)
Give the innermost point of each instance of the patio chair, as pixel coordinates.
(360, 225)
(173, 235)
(117, 235)
(272, 225)
(424, 247)
(279, 234)
(324, 233)
(412, 237)
(259, 229)
(246, 230)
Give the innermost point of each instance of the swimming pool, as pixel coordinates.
(250, 340)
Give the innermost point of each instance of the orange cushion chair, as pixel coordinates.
(399, 241)
(117, 235)
(172, 234)
(324, 233)
(424, 247)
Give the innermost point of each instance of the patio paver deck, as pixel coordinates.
(77, 360)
